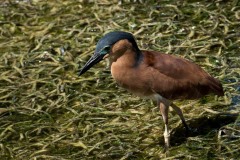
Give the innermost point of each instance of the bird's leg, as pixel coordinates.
(164, 111)
(179, 112)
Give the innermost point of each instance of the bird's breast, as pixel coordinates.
(132, 79)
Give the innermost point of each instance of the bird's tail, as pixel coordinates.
(215, 86)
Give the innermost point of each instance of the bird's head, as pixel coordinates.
(104, 47)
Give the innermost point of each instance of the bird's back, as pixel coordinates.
(178, 78)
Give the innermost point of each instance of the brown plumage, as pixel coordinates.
(167, 75)
(162, 77)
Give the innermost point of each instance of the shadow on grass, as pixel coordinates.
(201, 126)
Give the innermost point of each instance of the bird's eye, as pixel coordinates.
(105, 50)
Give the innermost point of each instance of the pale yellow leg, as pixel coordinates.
(164, 111)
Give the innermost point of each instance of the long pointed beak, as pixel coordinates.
(91, 62)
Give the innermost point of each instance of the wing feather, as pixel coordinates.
(178, 78)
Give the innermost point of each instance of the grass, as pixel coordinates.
(48, 112)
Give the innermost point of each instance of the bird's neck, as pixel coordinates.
(130, 58)
(125, 54)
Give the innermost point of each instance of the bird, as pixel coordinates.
(154, 75)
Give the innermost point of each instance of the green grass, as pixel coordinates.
(48, 112)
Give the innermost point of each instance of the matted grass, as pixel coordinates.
(48, 112)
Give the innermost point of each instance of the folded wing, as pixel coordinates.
(177, 78)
